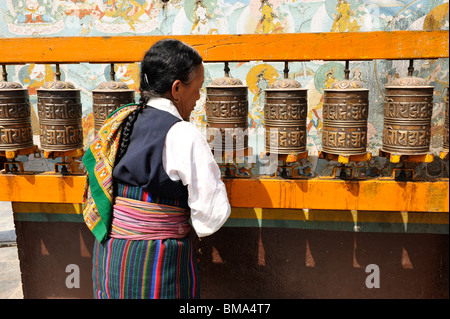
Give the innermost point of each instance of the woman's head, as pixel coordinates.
(170, 69)
(173, 70)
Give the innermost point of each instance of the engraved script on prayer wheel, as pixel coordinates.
(108, 97)
(15, 117)
(345, 113)
(59, 111)
(408, 107)
(227, 114)
(446, 124)
(285, 116)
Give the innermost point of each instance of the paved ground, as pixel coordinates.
(10, 278)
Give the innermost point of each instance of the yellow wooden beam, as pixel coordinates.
(42, 188)
(316, 193)
(245, 47)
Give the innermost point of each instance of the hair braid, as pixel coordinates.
(128, 127)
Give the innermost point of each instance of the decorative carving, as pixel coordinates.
(227, 139)
(112, 85)
(407, 119)
(398, 140)
(108, 97)
(15, 120)
(60, 114)
(345, 141)
(10, 85)
(13, 136)
(16, 110)
(286, 84)
(281, 111)
(346, 85)
(345, 113)
(407, 110)
(61, 137)
(226, 81)
(227, 109)
(285, 117)
(58, 85)
(286, 140)
(407, 81)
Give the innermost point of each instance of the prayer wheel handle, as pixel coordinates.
(4, 74)
(112, 73)
(411, 67)
(347, 70)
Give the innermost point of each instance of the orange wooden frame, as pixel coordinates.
(373, 194)
(246, 47)
(315, 193)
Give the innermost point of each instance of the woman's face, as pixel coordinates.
(188, 94)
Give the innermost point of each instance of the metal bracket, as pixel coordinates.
(11, 167)
(343, 174)
(401, 176)
(65, 167)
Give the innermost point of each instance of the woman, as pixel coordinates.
(152, 177)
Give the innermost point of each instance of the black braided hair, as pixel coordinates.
(165, 62)
(128, 128)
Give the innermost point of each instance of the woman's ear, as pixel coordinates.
(176, 91)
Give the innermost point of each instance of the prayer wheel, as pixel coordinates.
(227, 114)
(345, 113)
(15, 117)
(59, 112)
(285, 115)
(446, 124)
(408, 107)
(108, 97)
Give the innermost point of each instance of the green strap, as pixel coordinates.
(129, 104)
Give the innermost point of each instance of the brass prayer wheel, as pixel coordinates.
(108, 97)
(345, 113)
(446, 124)
(227, 113)
(408, 107)
(285, 116)
(59, 112)
(15, 117)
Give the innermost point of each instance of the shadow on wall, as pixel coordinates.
(46, 250)
(258, 262)
(255, 262)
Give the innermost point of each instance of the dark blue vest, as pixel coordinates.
(142, 163)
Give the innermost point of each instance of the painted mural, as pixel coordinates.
(58, 18)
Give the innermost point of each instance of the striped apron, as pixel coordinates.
(147, 254)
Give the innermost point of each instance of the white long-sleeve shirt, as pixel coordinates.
(197, 169)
